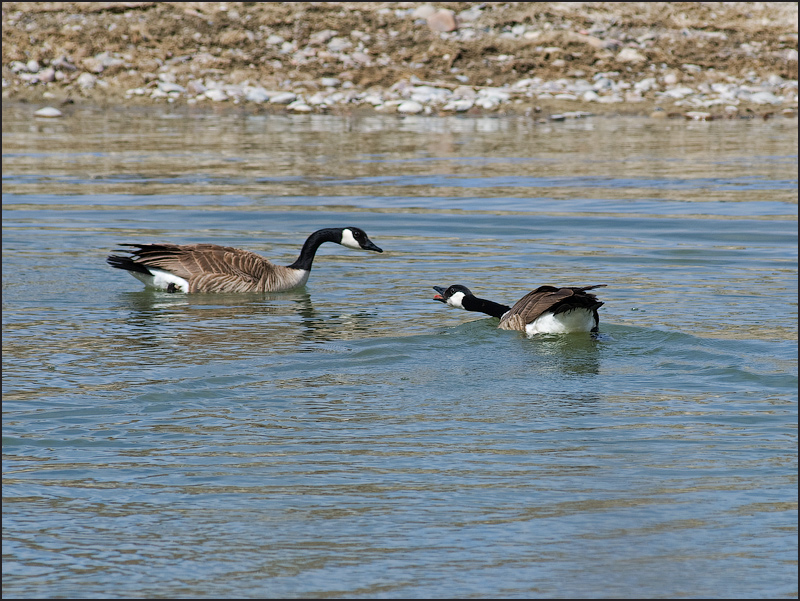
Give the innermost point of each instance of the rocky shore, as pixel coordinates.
(552, 60)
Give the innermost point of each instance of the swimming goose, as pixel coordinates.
(546, 310)
(212, 268)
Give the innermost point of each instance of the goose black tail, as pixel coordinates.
(127, 263)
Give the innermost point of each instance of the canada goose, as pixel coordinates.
(212, 268)
(546, 310)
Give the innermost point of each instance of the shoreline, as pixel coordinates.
(546, 61)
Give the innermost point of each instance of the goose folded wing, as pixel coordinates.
(196, 260)
(536, 302)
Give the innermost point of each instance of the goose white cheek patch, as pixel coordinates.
(349, 241)
(456, 300)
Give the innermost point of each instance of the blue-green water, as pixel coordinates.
(356, 438)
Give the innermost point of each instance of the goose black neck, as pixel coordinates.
(312, 243)
(481, 305)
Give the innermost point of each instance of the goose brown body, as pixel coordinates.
(212, 268)
(550, 299)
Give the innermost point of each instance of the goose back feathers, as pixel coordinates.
(213, 268)
(546, 310)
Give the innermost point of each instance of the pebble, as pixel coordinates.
(215, 95)
(698, 116)
(87, 80)
(443, 20)
(48, 111)
(256, 94)
(458, 106)
(283, 98)
(168, 87)
(410, 107)
(630, 55)
(299, 106)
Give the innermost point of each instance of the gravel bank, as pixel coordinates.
(550, 60)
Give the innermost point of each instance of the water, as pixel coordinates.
(358, 439)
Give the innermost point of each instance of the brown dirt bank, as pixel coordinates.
(97, 52)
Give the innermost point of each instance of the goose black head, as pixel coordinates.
(355, 237)
(453, 296)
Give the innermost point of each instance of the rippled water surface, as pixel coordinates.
(354, 438)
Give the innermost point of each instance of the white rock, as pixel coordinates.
(498, 94)
(373, 99)
(215, 95)
(339, 44)
(166, 86)
(48, 111)
(443, 20)
(410, 107)
(487, 102)
(579, 86)
(62, 62)
(458, 106)
(322, 37)
(233, 91)
(87, 80)
(256, 94)
(678, 92)
(603, 83)
(426, 94)
(765, 98)
(317, 99)
(298, 106)
(465, 92)
(196, 87)
(47, 75)
(630, 55)
(423, 12)
(283, 98)
(670, 79)
(645, 85)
